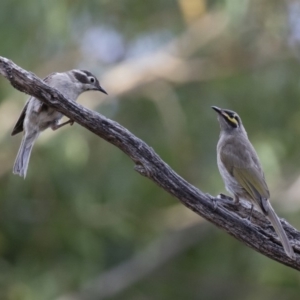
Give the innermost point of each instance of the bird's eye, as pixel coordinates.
(92, 80)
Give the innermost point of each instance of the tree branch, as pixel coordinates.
(258, 235)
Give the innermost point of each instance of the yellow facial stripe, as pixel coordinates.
(231, 119)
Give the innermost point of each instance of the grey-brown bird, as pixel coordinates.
(37, 116)
(241, 170)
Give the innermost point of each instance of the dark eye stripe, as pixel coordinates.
(81, 78)
(87, 73)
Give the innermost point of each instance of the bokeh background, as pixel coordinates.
(84, 225)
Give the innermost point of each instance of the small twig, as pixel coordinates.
(257, 235)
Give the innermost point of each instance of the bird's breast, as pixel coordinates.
(231, 184)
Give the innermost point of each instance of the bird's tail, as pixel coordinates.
(280, 231)
(22, 159)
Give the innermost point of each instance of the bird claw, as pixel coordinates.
(248, 221)
(214, 200)
(224, 197)
(250, 215)
(57, 126)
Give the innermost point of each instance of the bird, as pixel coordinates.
(241, 170)
(36, 116)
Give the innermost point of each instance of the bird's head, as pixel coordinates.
(229, 120)
(86, 81)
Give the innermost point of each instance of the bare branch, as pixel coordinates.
(258, 235)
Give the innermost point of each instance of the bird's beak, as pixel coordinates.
(101, 89)
(217, 109)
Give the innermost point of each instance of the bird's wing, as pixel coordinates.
(244, 166)
(19, 125)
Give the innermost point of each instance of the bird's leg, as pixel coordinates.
(236, 199)
(250, 215)
(222, 197)
(213, 199)
(42, 107)
(57, 126)
(237, 202)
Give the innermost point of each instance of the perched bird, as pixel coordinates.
(37, 116)
(241, 170)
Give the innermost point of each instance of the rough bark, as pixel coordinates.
(257, 234)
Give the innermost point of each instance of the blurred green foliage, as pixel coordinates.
(82, 210)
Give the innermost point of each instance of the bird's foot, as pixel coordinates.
(213, 199)
(225, 197)
(248, 221)
(221, 197)
(55, 127)
(250, 215)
